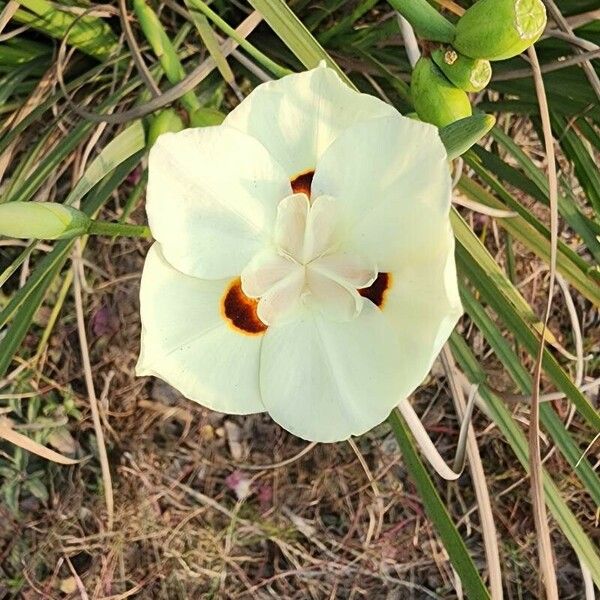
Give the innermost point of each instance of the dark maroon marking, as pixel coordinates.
(377, 290)
(240, 310)
(301, 183)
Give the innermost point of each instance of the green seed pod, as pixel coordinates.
(500, 29)
(164, 122)
(437, 100)
(41, 220)
(469, 74)
(205, 117)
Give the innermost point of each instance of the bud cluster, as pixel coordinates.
(457, 58)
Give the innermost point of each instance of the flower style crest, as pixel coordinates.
(304, 260)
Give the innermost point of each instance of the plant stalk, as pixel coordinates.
(118, 229)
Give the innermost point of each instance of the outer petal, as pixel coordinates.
(391, 178)
(423, 306)
(187, 343)
(326, 381)
(298, 116)
(212, 199)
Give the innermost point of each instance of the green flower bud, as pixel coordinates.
(469, 74)
(437, 100)
(499, 29)
(205, 117)
(164, 122)
(41, 220)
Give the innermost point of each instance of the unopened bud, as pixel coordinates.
(436, 99)
(499, 29)
(41, 220)
(166, 121)
(468, 74)
(205, 117)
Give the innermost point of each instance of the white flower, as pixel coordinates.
(303, 262)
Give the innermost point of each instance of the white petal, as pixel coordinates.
(325, 381)
(291, 225)
(266, 269)
(212, 199)
(282, 301)
(322, 227)
(351, 269)
(391, 178)
(423, 306)
(298, 116)
(187, 342)
(334, 299)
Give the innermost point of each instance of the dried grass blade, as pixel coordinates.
(89, 382)
(484, 506)
(18, 439)
(424, 441)
(590, 72)
(546, 560)
(7, 13)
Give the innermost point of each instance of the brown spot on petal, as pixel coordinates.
(240, 310)
(301, 183)
(376, 292)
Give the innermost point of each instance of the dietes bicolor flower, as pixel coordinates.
(304, 260)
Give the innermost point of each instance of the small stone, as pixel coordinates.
(234, 438)
(207, 433)
(68, 585)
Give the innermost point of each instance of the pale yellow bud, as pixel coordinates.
(41, 220)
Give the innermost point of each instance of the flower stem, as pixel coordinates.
(122, 229)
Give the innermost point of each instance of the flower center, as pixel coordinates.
(307, 264)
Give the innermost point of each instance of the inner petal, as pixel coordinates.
(305, 267)
(333, 299)
(266, 269)
(290, 225)
(351, 269)
(305, 232)
(283, 299)
(322, 228)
